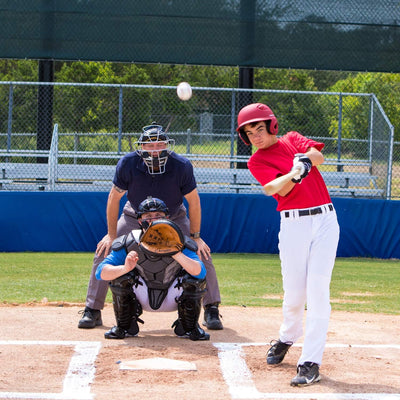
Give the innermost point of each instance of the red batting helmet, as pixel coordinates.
(253, 113)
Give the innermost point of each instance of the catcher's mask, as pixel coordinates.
(155, 158)
(254, 113)
(151, 204)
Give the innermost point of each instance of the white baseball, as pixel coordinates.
(184, 91)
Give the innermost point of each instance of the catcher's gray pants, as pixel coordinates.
(97, 290)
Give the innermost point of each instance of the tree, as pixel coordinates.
(386, 88)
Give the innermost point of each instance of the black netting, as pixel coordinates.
(323, 34)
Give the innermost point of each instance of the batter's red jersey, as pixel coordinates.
(276, 160)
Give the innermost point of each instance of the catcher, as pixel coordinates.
(155, 268)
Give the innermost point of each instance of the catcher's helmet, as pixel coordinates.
(155, 160)
(253, 113)
(152, 204)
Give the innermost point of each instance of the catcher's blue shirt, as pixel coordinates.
(118, 258)
(177, 181)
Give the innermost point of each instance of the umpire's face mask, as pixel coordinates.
(155, 156)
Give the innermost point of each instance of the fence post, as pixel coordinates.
(45, 107)
(339, 147)
(9, 125)
(390, 164)
(53, 159)
(233, 124)
(370, 133)
(188, 141)
(120, 107)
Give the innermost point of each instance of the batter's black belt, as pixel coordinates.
(308, 211)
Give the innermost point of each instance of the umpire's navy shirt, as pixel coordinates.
(177, 181)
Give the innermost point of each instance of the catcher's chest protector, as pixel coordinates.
(158, 273)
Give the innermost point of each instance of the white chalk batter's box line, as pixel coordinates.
(79, 375)
(81, 371)
(239, 380)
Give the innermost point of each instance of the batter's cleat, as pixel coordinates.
(211, 317)
(90, 319)
(307, 374)
(277, 352)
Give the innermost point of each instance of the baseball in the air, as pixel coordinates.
(184, 91)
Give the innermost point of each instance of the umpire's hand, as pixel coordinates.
(203, 249)
(104, 246)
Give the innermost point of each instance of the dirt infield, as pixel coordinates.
(44, 355)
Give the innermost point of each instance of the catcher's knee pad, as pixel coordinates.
(189, 303)
(127, 308)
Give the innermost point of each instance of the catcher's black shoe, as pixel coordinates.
(119, 333)
(307, 374)
(90, 318)
(211, 317)
(178, 328)
(115, 333)
(196, 334)
(277, 352)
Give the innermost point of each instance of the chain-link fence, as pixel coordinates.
(68, 137)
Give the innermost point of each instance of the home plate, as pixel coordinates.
(158, 363)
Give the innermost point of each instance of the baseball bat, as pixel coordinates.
(169, 123)
(277, 184)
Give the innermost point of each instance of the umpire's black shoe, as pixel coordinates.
(277, 352)
(90, 319)
(211, 317)
(307, 374)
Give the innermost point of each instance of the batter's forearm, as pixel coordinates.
(315, 156)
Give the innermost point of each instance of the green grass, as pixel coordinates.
(358, 284)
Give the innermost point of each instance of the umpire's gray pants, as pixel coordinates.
(97, 290)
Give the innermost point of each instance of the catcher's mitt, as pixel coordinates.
(163, 238)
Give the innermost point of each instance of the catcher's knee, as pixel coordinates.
(127, 308)
(189, 303)
(192, 287)
(123, 283)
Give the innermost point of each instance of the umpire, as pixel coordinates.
(144, 280)
(154, 169)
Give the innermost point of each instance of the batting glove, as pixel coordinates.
(303, 164)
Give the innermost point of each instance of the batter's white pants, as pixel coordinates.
(307, 249)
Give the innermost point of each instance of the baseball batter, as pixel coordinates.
(286, 167)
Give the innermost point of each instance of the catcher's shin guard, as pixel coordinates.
(127, 308)
(189, 307)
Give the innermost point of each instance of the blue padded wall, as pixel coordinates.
(45, 221)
